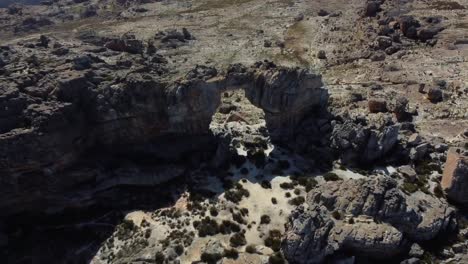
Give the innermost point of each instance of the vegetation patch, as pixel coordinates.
(287, 186)
(273, 240)
(206, 227)
(231, 253)
(228, 227)
(297, 200)
(331, 176)
(265, 220)
(210, 258)
(236, 194)
(237, 240)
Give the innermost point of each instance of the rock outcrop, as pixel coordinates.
(455, 177)
(368, 217)
(362, 144)
(53, 118)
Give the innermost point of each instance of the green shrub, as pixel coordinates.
(311, 183)
(147, 233)
(179, 249)
(210, 258)
(287, 185)
(409, 187)
(213, 211)
(297, 191)
(236, 195)
(288, 195)
(207, 227)
(330, 176)
(265, 220)
(244, 211)
(297, 200)
(238, 218)
(228, 227)
(251, 249)
(274, 201)
(231, 253)
(273, 240)
(237, 240)
(160, 258)
(266, 184)
(425, 168)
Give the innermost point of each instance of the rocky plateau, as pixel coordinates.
(234, 131)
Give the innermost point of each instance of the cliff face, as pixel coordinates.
(58, 115)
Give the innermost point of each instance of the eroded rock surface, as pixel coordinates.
(370, 217)
(454, 180)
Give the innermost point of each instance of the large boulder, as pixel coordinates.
(359, 144)
(455, 177)
(371, 218)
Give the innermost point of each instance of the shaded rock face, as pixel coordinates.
(454, 180)
(368, 217)
(362, 144)
(139, 115)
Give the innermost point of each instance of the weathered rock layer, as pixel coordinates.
(371, 218)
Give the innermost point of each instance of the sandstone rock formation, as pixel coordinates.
(454, 179)
(368, 217)
(360, 144)
(56, 117)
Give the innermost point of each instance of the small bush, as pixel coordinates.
(231, 253)
(297, 200)
(310, 185)
(244, 211)
(213, 211)
(330, 176)
(288, 195)
(251, 249)
(228, 227)
(236, 195)
(266, 184)
(207, 227)
(210, 258)
(409, 187)
(160, 258)
(238, 218)
(274, 201)
(237, 240)
(297, 191)
(273, 240)
(265, 220)
(287, 186)
(179, 249)
(351, 220)
(147, 233)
